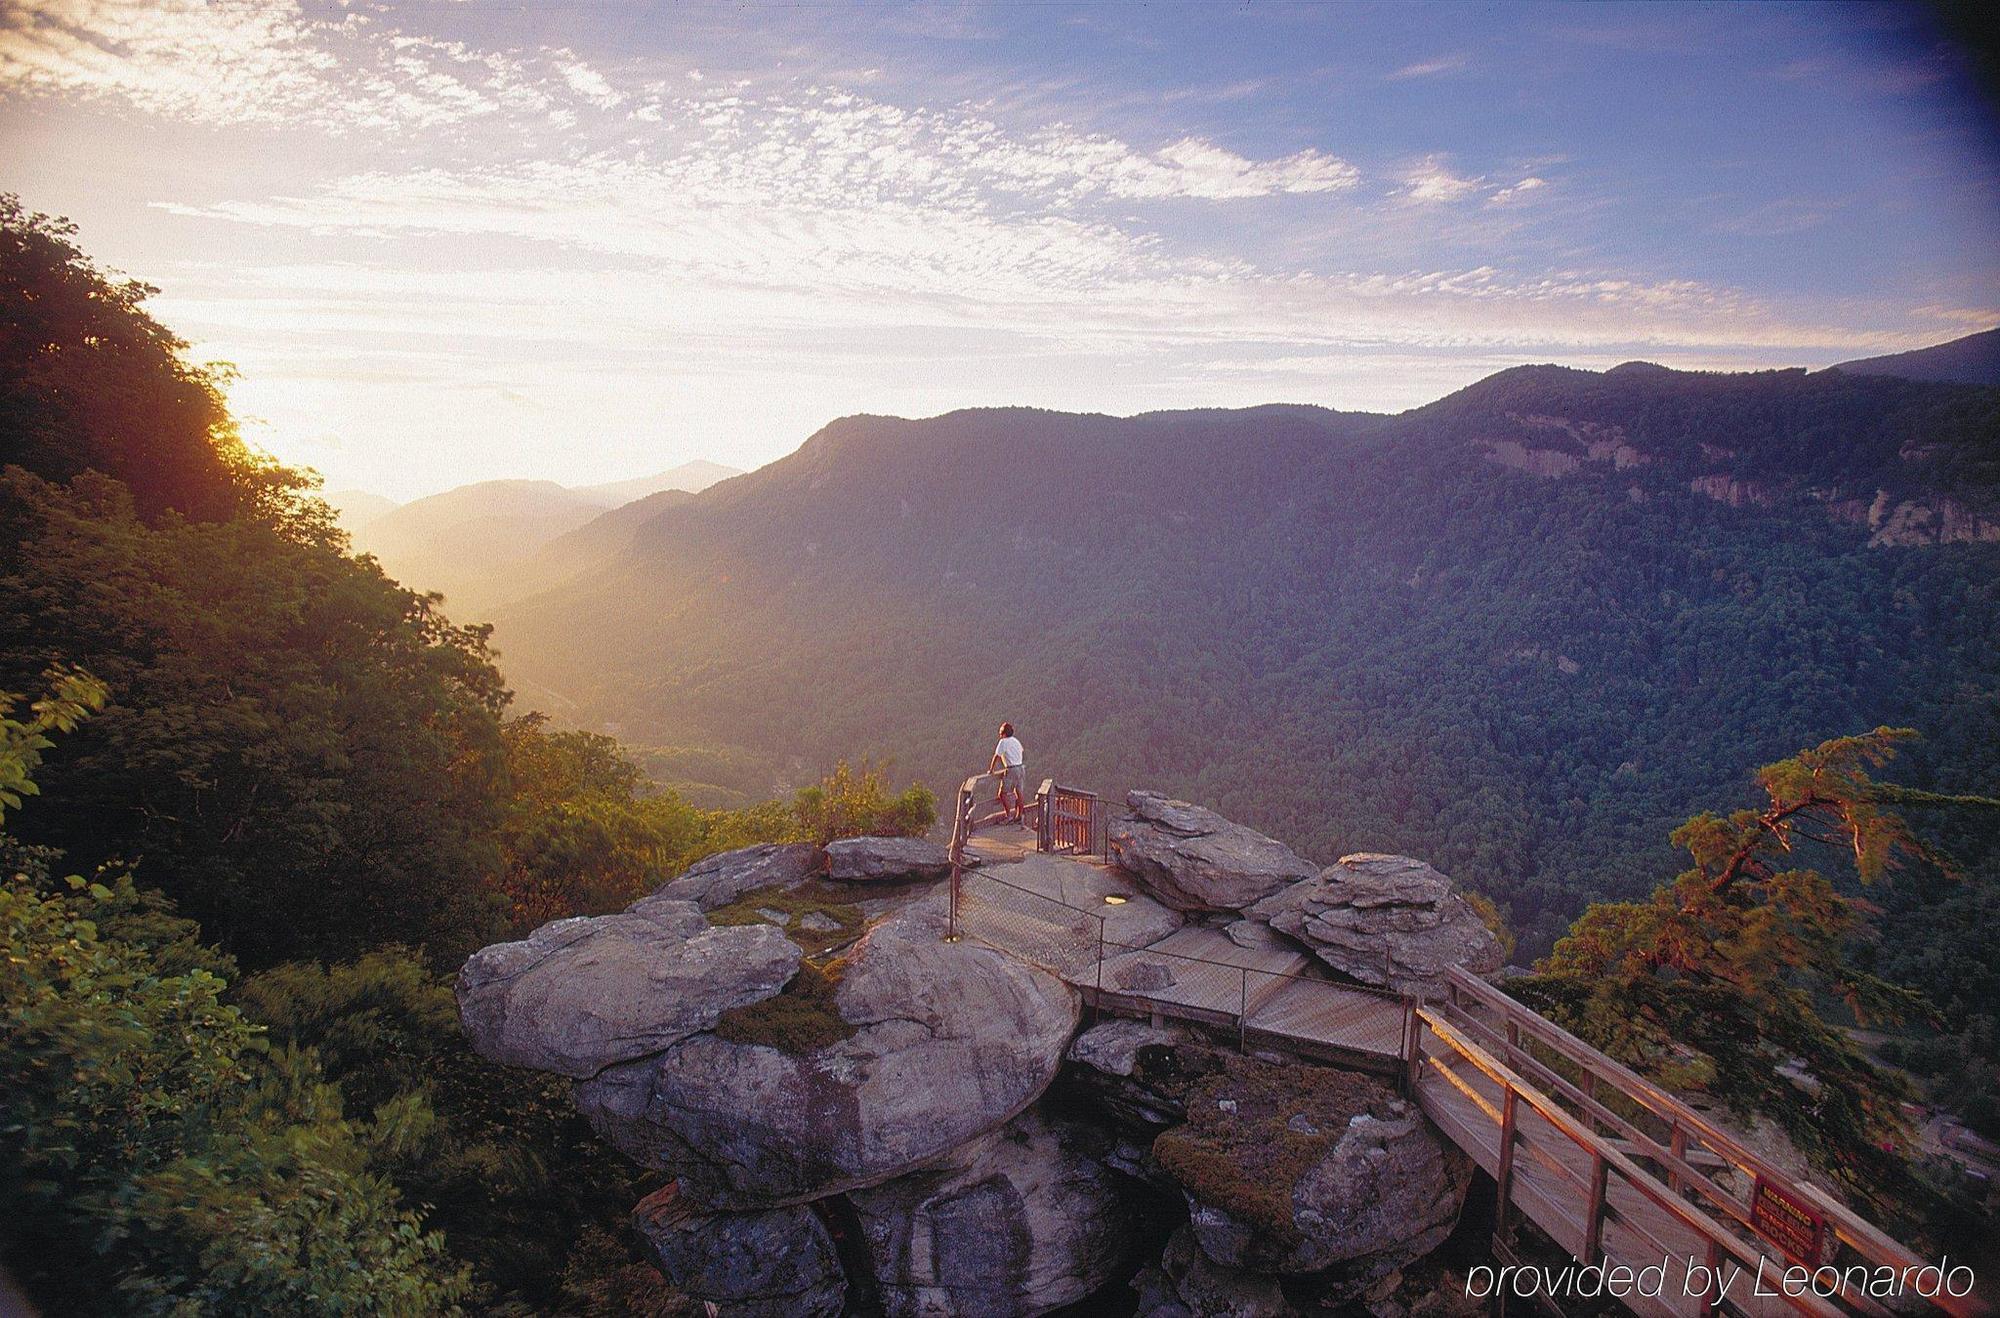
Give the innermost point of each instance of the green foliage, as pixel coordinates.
(852, 802)
(90, 382)
(1717, 979)
(581, 838)
(505, 1166)
(71, 698)
(160, 1157)
(802, 1018)
(305, 754)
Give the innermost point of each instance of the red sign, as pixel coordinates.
(1787, 1221)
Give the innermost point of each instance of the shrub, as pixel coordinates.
(853, 802)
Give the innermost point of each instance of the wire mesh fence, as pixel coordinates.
(1071, 942)
(1033, 926)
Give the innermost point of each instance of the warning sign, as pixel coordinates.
(1787, 1221)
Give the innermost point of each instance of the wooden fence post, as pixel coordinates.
(1503, 1174)
(1593, 1231)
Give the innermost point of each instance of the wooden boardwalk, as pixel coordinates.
(1640, 1181)
(1052, 910)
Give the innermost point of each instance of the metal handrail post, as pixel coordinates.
(1097, 998)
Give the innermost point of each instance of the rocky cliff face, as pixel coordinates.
(916, 1125)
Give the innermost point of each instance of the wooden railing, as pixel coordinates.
(1669, 1169)
(1071, 820)
(1685, 1148)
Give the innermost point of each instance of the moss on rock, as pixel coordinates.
(811, 898)
(1254, 1128)
(801, 1018)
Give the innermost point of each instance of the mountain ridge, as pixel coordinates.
(1971, 359)
(1523, 630)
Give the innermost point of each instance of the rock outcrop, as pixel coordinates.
(777, 1263)
(1133, 920)
(1193, 859)
(879, 859)
(1385, 920)
(948, 1041)
(1186, 1283)
(1025, 1220)
(577, 996)
(1300, 1171)
(722, 878)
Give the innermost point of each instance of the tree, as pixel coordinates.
(1715, 981)
(306, 756)
(71, 698)
(156, 1154)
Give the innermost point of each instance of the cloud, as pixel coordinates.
(1429, 182)
(1431, 68)
(1780, 218)
(1895, 77)
(261, 62)
(1976, 317)
(675, 249)
(1515, 191)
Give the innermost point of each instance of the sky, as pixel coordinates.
(454, 240)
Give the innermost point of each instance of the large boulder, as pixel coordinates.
(879, 859)
(1305, 1170)
(1385, 920)
(1195, 860)
(726, 876)
(1025, 1220)
(772, 1264)
(577, 996)
(1186, 1283)
(936, 1044)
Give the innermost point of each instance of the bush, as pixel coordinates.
(157, 1147)
(856, 803)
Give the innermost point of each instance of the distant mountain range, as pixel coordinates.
(469, 541)
(1521, 632)
(1974, 359)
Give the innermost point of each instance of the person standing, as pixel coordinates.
(1007, 757)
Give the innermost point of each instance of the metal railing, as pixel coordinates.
(1147, 979)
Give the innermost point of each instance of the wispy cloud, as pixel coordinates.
(553, 234)
(1516, 191)
(1430, 181)
(1431, 68)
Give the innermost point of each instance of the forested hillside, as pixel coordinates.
(257, 801)
(1522, 632)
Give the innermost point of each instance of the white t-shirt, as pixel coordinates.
(1009, 751)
